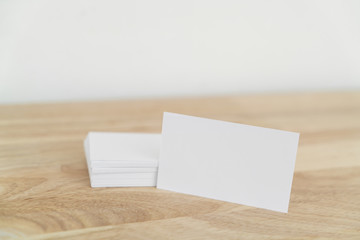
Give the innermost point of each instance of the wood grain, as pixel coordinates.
(45, 191)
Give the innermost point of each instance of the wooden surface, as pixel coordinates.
(45, 191)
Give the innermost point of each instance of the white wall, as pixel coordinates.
(82, 49)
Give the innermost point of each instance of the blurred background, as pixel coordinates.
(73, 50)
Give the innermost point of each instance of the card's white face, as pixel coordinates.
(140, 147)
(227, 161)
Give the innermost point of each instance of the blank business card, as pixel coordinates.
(129, 150)
(227, 161)
(122, 159)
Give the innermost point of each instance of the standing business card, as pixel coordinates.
(227, 161)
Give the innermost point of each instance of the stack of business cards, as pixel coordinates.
(122, 159)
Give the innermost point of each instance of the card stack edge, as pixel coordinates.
(118, 173)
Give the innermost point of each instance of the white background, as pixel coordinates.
(65, 50)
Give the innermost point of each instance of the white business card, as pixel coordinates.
(122, 159)
(227, 161)
(129, 150)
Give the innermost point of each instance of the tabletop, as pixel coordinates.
(45, 191)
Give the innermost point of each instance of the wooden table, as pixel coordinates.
(45, 191)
